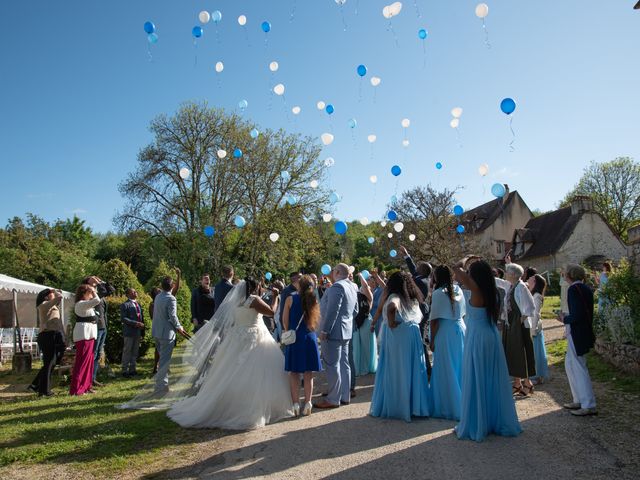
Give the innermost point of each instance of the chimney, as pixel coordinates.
(581, 204)
(506, 193)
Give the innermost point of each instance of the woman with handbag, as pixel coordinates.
(300, 319)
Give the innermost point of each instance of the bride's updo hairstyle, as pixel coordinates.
(252, 286)
(310, 306)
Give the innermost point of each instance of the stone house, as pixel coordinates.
(574, 234)
(492, 224)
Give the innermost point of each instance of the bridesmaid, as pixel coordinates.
(537, 286)
(302, 313)
(85, 333)
(447, 343)
(487, 405)
(401, 388)
(365, 352)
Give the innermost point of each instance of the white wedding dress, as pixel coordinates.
(246, 386)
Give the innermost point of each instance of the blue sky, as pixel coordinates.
(77, 92)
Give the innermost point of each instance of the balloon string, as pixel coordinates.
(513, 135)
(360, 91)
(286, 110)
(344, 23)
(486, 35)
(357, 5)
(415, 4)
(395, 36)
(424, 54)
(293, 11)
(217, 35)
(375, 94)
(149, 53)
(195, 46)
(246, 37)
(459, 137)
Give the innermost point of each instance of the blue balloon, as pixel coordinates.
(422, 33)
(254, 133)
(216, 16)
(209, 231)
(365, 274)
(149, 27)
(352, 123)
(268, 276)
(197, 32)
(458, 210)
(508, 106)
(153, 38)
(329, 109)
(239, 221)
(266, 27)
(371, 240)
(237, 153)
(292, 200)
(396, 170)
(334, 198)
(325, 269)
(243, 104)
(392, 215)
(393, 253)
(393, 199)
(284, 175)
(341, 228)
(460, 229)
(439, 166)
(498, 190)
(362, 70)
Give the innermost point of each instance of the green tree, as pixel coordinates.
(614, 188)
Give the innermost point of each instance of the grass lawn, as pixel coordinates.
(550, 304)
(88, 432)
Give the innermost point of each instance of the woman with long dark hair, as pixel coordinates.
(487, 405)
(302, 314)
(447, 343)
(401, 388)
(537, 286)
(365, 351)
(85, 333)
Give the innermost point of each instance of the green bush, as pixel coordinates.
(183, 295)
(623, 290)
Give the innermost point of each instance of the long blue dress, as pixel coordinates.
(303, 355)
(365, 349)
(401, 388)
(446, 374)
(487, 404)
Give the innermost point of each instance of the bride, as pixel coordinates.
(240, 383)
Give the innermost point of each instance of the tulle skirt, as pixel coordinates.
(246, 386)
(401, 388)
(365, 350)
(446, 374)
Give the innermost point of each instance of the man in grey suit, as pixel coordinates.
(164, 326)
(338, 307)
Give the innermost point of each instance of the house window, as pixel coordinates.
(499, 246)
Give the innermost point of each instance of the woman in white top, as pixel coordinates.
(85, 333)
(537, 286)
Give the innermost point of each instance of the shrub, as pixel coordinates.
(621, 305)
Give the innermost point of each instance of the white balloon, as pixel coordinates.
(296, 110)
(327, 138)
(405, 143)
(482, 10)
(313, 183)
(184, 173)
(375, 81)
(273, 66)
(329, 162)
(341, 2)
(373, 179)
(372, 138)
(456, 112)
(386, 12)
(321, 105)
(222, 153)
(405, 123)
(364, 221)
(398, 227)
(274, 237)
(483, 169)
(455, 123)
(326, 217)
(204, 16)
(242, 20)
(412, 237)
(390, 235)
(279, 89)
(219, 67)
(383, 223)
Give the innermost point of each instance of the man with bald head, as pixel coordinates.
(338, 307)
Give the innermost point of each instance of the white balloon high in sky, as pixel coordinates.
(371, 138)
(456, 112)
(320, 105)
(222, 153)
(204, 17)
(483, 169)
(242, 20)
(482, 10)
(219, 67)
(327, 138)
(405, 123)
(375, 81)
(279, 89)
(273, 66)
(296, 110)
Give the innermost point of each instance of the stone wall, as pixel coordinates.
(623, 357)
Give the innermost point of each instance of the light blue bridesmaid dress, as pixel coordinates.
(401, 388)
(487, 404)
(446, 374)
(365, 349)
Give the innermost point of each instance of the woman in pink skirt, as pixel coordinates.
(84, 335)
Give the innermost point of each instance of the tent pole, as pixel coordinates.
(14, 319)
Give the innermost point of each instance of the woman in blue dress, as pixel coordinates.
(302, 313)
(537, 286)
(487, 404)
(365, 351)
(401, 388)
(447, 343)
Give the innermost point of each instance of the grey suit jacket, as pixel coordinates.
(338, 307)
(165, 317)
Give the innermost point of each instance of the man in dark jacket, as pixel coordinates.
(202, 303)
(132, 318)
(224, 286)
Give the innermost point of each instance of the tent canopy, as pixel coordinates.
(26, 300)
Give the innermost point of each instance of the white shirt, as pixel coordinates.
(525, 303)
(536, 321)
(85, 330)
